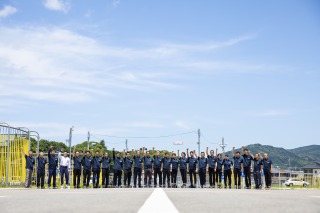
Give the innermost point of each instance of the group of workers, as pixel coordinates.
(165, 168)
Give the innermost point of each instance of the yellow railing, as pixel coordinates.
(16, 162)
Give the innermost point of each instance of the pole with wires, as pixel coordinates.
(223, 145)
(70, 139)
(88, 140)
(126, 145)
(199, 134)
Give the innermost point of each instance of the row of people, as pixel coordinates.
(165, 168)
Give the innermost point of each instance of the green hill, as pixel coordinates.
(308, 153)
(280, 156)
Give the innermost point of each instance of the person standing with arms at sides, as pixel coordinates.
(128, 162)
(53, 166)
(96, 169)
(86, 162)
(238, 168)
(219, 169)
(29, 167)
(212, 161)
(174, 171)
(227, 166)
(41, 170)
(203, 168)
(192, 168)
(267, 168)
(167, 167)
(247, 158)
(157, 166)
(183, 168)
(105, 169)
(77, 162)
(147, 163)
(64, 168)
(117, 169)
(257, 170)
(137, 159)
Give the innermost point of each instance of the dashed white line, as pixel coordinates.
(158, 202)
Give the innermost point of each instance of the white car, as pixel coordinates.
(296, 182)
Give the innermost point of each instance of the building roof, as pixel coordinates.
(311, 166)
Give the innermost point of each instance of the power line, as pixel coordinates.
(207, 140)
(107, 141)
(146, 137)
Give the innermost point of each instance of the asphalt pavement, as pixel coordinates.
(160, 200)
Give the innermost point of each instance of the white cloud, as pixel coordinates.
(62, 66)
(88, 14)
(7, 11)
(58, 5)
(115, 3)
(182, 125)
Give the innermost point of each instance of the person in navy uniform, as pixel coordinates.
(167, 168)
(267, 168)
(77, 162)
(41, 169)
(157, 167)
(105, 169)
(257, 170)
(219, 169)
(192, 168)
(238, 168)
(137, 159)
(96, 169)
(183, 168)
(212, 161)
(53, 166)
(247, 158)
(227, 166)
(147, 164)
(174, 171)
(128, 162)
(203, 168)
(117, 168)
(29, 167)
(86, 162)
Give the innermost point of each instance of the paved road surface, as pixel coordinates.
(158, 200)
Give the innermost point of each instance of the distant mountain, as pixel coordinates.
(308, 153)
(280, 156)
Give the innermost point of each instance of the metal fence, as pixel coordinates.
(12, 163)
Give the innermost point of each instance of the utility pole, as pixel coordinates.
(88, 140)
(223, 145)
(199, 134)
(126, 145)
(289, 164)
(70, 139)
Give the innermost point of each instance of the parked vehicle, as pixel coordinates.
(296, 182)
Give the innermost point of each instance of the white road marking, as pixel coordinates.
(158, 202)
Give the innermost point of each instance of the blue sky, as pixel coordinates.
(242, 70)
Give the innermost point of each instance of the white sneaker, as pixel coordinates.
(61, 187)
(67, 187)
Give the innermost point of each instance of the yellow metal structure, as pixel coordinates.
(17, 163)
